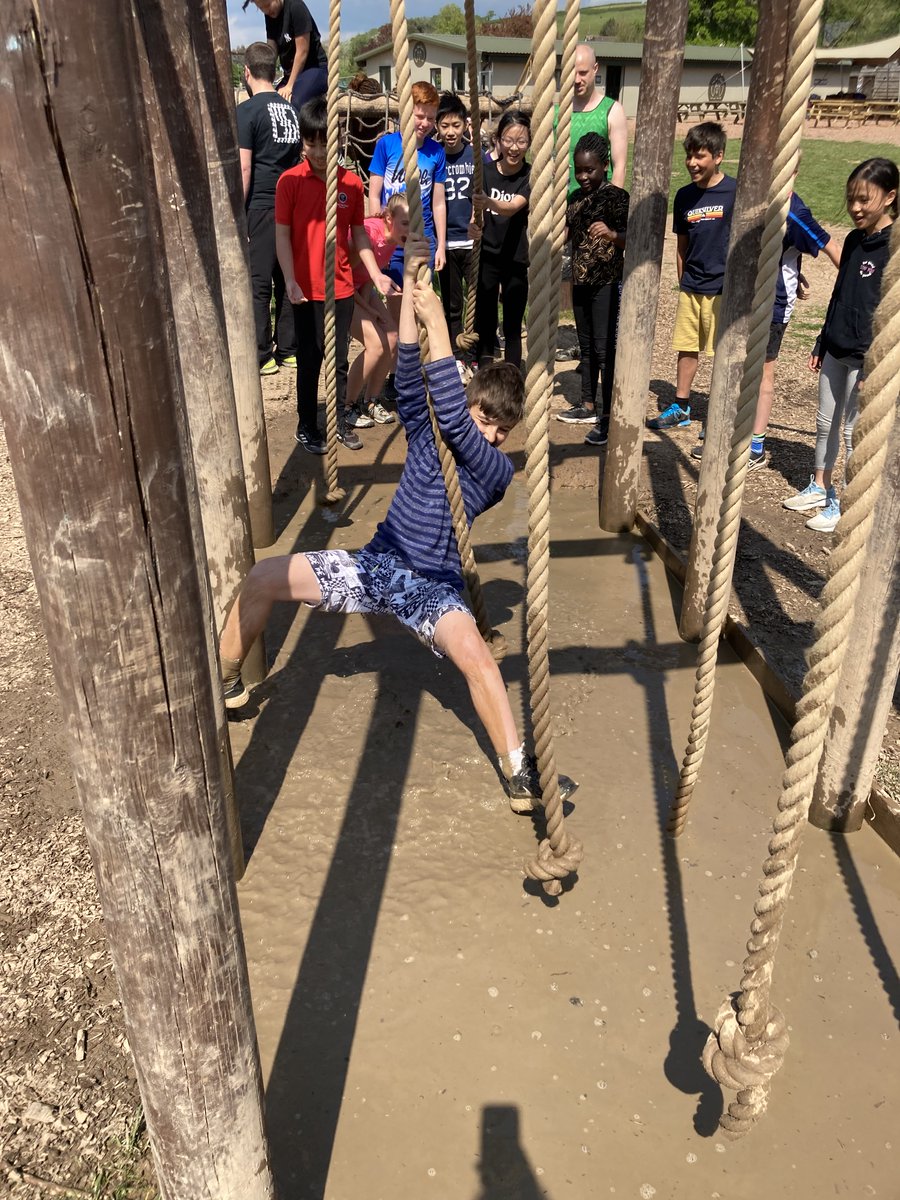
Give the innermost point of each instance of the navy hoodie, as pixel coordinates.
(847, 332)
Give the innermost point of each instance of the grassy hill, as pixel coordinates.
(599, 19)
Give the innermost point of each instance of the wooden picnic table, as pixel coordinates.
(854, 111)
(704, 110)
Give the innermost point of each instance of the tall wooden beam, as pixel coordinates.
(661, 69)
(97, 436)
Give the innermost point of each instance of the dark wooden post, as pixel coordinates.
(209, 31)
(98, 442)
(661, 67)
(760, 137)
(869, 674)
(176, 136)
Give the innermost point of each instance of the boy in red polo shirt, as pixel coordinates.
(300, 243)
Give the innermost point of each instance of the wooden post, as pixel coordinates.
(209, 31)
(661, 67)
(869, 674)
(98, 442)
(176, 137)
(754, 181)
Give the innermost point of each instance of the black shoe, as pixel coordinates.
(577, 415)
(347, 435)
(599, 435)
(697, 451)
(236, 694)
(757, 459)
(524, 788)
(311, 440)
(390, 388)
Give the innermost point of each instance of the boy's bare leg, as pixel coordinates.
(287, 577)
(766, 399)
(684, 375)
(457, 636)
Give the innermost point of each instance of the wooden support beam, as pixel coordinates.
(869, 674)
(98, 442)
(661, 65)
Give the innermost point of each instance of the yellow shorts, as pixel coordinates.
(695, 323)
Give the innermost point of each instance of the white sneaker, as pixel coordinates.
(357, 419)
(380, 415)
(812, 496)
(826, 521)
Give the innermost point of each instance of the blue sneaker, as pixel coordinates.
(673, 416)
(812, 496)
(826, 521)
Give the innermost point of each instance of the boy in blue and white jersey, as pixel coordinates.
(452, 119)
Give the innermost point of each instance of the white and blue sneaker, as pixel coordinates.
(671, 417)
(826, 521)
(812, 496)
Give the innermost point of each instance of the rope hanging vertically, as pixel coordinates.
(558, 855)
(803, 37)
(333, 493)
(563, 146)
(468, 339)
(400, 36)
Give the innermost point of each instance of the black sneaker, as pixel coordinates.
(697, 451)
(348, 436)
(311, 440)
(524, 788)
(390, 388)
(236, 694)
(578, 415)
(757, 459)
(673, 417)
(599, 435)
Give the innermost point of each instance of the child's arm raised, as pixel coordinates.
(430, 311)
(412, 405)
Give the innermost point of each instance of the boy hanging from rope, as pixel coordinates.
(411, 566)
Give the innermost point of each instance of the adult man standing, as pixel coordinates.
(269, 140)
(593, 113)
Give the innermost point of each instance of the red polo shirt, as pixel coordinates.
(300, 203)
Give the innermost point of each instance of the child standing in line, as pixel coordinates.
(596, 217)
(411, 566)
(452, 119)
(847, 333)
(372, 323)
(702, 221)
(300, 243)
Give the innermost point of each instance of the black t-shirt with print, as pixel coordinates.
(506, 236)
(294, 21)
(268, 126)
(704, 216)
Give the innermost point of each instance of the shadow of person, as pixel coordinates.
(503, 1165)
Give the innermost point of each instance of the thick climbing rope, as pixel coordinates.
(400, 37)
(804, 31)
(333, 493)
(750, 1041)
(749, 1044)
(563, 139)
(468, 339)
(558, 854)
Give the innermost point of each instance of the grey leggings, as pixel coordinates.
(838, 406)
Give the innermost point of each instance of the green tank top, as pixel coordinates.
(596, 120)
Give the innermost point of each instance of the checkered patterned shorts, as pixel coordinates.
(369, 582)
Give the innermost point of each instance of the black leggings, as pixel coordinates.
(596, 319)
(453, 279)
(493, 274)
(309, 322)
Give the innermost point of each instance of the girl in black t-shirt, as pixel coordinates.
(504, 241)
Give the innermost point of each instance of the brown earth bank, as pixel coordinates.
(69, 1107)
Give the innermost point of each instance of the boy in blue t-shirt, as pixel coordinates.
(702, 222)
(387, 175)
(411, 567)
(452, 119)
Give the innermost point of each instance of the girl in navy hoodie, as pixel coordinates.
(847, 333)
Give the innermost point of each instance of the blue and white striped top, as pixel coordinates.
(418, 527)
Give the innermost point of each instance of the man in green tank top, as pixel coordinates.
(593, 113)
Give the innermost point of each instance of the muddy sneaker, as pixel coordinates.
(812, 496)
(672, 417)
(380, 415)
(346, 435)
(524, 787)
(357, 419)
(236, 694)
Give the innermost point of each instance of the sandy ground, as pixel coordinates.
(426, 1025)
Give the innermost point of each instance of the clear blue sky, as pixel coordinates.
(356, 15)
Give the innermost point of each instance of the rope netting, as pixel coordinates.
(402, 57)
(803, 36)
(558, 855)
(750, 1041)
(333, 494)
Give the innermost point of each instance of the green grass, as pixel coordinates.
(592, 20)
(820, 181)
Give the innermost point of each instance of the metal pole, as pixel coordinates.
(657, 111)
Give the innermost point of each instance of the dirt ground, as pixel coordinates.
(69, 1110)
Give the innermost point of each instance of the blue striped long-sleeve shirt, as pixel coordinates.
(418, 527)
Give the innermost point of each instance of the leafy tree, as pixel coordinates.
(722, 22)
(516, 23)
(449, 19)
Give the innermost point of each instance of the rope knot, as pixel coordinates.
(744, 1067)
(551, 869)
